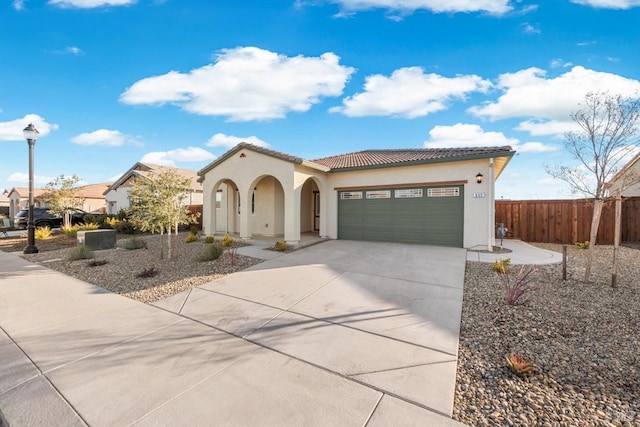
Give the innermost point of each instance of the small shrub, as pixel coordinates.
(125, 227)
(80, 252)
(280, 246)
(232, 252)
(148, 272)
(90, 218)
(209, 239)
(193, 229)
(97, 262)
(226, 241)
(583, 245)
(517, 286)
(42, 233)
(211, 252)
(110, 222)
(134, 243)
(71, 231)
(519, 365)
(191, 238)
(501, 265)
(87, 226)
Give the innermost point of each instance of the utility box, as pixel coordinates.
(97, 239)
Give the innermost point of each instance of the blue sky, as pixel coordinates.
(112, 82)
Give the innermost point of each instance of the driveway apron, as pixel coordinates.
(341, 333)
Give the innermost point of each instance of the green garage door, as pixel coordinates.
(425, 215)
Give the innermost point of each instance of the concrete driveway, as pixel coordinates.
(341, 333)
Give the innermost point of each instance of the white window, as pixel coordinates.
(351, 195)
(408, 193)
(443, 192)
(219, 199)
(379, 194)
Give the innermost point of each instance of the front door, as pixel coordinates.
(316, 211)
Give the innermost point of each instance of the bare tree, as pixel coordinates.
(607, 137)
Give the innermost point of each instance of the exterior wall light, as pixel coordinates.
(479, 178)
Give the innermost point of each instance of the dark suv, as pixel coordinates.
(42, 217)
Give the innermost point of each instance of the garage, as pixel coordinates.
(431, 215)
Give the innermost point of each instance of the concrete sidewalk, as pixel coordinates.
(521, 253)
(290, 342)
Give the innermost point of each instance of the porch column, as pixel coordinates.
(209, 214)
(245, 207)
(292, 216)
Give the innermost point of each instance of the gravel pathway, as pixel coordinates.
(583, 338)
(119, 274)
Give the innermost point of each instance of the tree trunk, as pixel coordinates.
(595, 222)
(169, 244)
(616, 242)
(161, 242)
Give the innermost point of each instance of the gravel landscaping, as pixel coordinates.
(120, 273)
(582, 338)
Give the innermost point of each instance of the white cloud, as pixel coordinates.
(90, 4)
(21, 178)
(246, 83)
(18, 4)
(528, 28)
(230, 141)
(529, 93)
(547, 127)
(179, 155)
(12, 130)
(104, 137)
(469, 135)
(74, 50)
(409, 93)
(609, 4)
(559, 63)
(497, 7)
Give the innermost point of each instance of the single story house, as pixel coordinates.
(117, 194)
(426, 196)
(628, 178)
(92, 198)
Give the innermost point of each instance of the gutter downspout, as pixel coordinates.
(491, 207)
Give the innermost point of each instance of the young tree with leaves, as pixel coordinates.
(61, 195)
(608, 136)
(157, 205)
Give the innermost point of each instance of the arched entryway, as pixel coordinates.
(265, 203)
(310, 207)
(225, 207)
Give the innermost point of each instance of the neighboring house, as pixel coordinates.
(628, 178)
(93, 195)
(4, 203)
(19, 199)
(94, 200)
(117, 194)
(426, 196)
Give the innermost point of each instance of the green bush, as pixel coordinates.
(133, 243)
(583, 245)
(280, 246)
(211, 252)
(42, 233)
(209, 239)
(91, 218)
(80, 252)
(125, 227)
(191, 238)
(226, 241)
(109, 222)
(501, 265)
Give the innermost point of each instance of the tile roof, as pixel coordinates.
(252, 147)
(373, 158)
(93, 191)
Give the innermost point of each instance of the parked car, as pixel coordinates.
(42, 217)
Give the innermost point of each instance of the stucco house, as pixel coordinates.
(426, 196)
(117, 194)
(93, 199)
(628, 178)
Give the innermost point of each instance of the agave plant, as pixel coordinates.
(519, 365)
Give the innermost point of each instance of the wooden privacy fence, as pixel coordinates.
(566, 221)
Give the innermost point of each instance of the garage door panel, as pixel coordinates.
(425, 220)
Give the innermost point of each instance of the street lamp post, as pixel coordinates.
(31, 135)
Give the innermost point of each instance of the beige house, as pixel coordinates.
(628, 179)
(425, 196)
(117, 194)
(93, 199)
